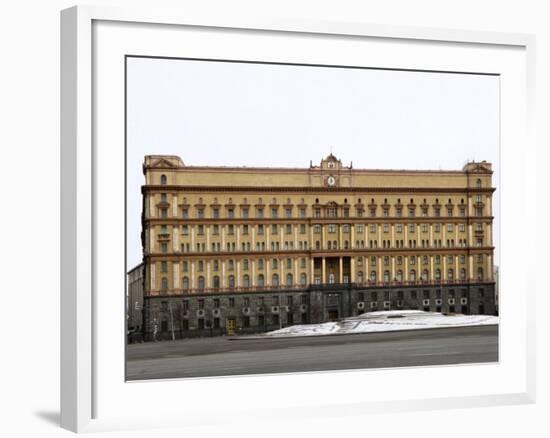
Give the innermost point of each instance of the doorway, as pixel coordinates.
(332, 315)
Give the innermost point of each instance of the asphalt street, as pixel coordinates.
(221, 356)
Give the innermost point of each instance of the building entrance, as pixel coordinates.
(332, 314)
(230, 326)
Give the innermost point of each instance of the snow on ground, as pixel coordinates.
(385, 321)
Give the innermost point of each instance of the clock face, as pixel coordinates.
(331, 181)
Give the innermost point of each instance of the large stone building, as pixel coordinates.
(241, 249)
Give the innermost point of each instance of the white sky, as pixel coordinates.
(220, 113)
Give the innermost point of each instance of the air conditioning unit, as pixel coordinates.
(425, 302)
(303, 308)
(246, 310)
(387, 304)
(399, 303)
(274, 309)
(464, 301)
(216, 312)
(438, 302)
(200, 313)
(360, 305)
(373, 305)
(451, 301)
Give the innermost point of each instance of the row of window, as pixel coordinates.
(317, 228)
(328, 212)
(373, 277)
(289, 262)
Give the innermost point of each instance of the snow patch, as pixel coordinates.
(385, 321)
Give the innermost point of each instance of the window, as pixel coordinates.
(244, 213)
(274, 213)
(275, 280)
(411, 212)
(332, 228)
(449, 211)
(372, 211)
(478, 184)
(450, 228)
(216, 282)
(302, 213)
(261, 281)
(185, 283)
(372, 275)
(289, 280)
(260, 213)
(373, 228)
(274, 263)
(411, 228)
(163, 180)
(245, 230)
(231, 302)
(231, 281)
(230, 213)
(317, 228)
(302, 229)
(399, 212)
(437, 228)
(164, 284)
(163, 267)
(412, 275)
(260, 229)
(331, 212)
(215, 213)
(462, 211)
(246, 281)
(288, 229)
(164, 248)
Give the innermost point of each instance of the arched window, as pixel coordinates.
(331, 278)
(386, 276)
(275, 280)
(329, 244)
(463, 274)
(480, 273)
(450, 274)
(289, 279)
(372, 275)
(412, 275)
(231, 281)
(164, 284)
(317, 245)
(261, 281)
(303, 279)
(216, 282)
(438, 274)
(360, 277)
(425, 275)
(185, 282)
(201, 282)
(246, 280)
(163, 180)
(399, 275)
(478, 184)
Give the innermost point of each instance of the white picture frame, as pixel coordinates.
(84, 372)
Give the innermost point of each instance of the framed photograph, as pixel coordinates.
(322, 216)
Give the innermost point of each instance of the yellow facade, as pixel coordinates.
(217, 229)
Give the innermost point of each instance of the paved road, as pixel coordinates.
(222, 357)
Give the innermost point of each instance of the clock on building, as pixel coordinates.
(331, 181)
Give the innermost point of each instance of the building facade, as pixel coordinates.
(241, 250)
(134, 304)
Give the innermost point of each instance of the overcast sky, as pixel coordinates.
(220, 113)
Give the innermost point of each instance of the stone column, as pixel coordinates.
(340, 241)
(471, 267)
(352, 236)
(432, 268)
(253, 279)
(324, 271)
(175, 240)
(208, 280)
(312, 273)
(192, 262)
(175, 206)
(176, 275)
(340, 270)
(352, 269)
